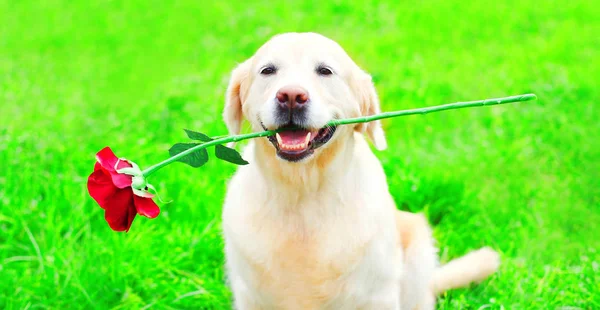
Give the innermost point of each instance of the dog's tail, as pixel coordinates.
(462, 271)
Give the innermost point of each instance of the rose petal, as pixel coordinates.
(146, 206)
(123, 164)
(132, 214)
(120, 210)
(108, 160)
(121, 180)
(100, 186)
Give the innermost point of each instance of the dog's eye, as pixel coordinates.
(268, 70)
(322, 70)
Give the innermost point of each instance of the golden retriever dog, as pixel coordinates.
(310, 223)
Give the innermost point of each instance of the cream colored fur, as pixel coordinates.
(324, 233)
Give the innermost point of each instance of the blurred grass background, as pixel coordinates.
(76, 76)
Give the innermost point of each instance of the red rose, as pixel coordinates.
(111, 186)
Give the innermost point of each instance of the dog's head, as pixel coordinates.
(299, 82)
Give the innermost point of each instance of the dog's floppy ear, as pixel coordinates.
(238, 84)
(369, 105)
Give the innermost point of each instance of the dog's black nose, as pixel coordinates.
(292, 97)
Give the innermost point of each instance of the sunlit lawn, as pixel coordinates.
(76, 76)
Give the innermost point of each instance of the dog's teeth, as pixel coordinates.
(307, 138)
(292, 147)
(279, 139)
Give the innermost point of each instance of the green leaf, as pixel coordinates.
(195, 159)
(229, 154)
(194, 135)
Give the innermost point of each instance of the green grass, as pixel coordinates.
(76, 76)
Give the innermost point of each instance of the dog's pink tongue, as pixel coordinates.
(293, 137)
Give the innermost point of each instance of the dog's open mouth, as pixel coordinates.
(294, 144)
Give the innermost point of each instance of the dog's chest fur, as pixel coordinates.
(312, 251)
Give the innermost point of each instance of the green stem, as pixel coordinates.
(443, 107)
(364, 119)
